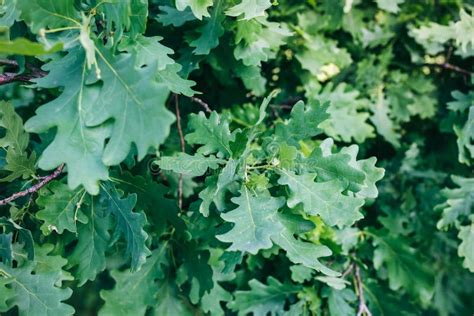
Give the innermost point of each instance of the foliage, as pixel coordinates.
(236, 157)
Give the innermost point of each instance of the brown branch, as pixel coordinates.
(451, 67)
(363, 309)
(202, 103)
(31, 73)
(183, 148)
(8, 62)
(35, 187)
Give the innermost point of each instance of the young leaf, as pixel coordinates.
(321, 198)
(466, 248)
(199, 7)
(213, 133)
(193, 166)
(255, 222)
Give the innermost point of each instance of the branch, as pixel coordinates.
(363, 309)
(451, 67)
(183, 148)
(31, 73)
(202, 103)
(35, 187)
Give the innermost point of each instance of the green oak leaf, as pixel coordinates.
(172, 16)
(329, 166)
(93, 241)
(262, 299)
(297, 250)
(47, 263)
(129, 224)
(209, 32)
(212, 133)
(322, 198)
(310, 116)
(24, 235)
(8, 13)
(170, 303)
(124, 15)
(254, 220)
(6, 252)
(348, 114)
(138, 102)
(80, 147)
(249, 9)
(42, 14)
(60, 208)
(193, 166)
(135, 291)
(198, 7)
(405, 268)
(459, 202)
(339, 301)
(35, 294)
(391, 6)
(15, 142)
(466, 248)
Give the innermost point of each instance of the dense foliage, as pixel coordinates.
(223, 157)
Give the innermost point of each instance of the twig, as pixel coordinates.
(363, 309)
(202, 103)
(31, 73)
(451, 67)
(183, 148)
(348, 270)
(8, 62)
(35, 187)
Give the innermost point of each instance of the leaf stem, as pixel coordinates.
(183, 148)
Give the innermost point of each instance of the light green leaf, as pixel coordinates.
(138, 102)
(199, 7)
(254, 220)
(213, 133)
(298, 251)
(459, 202)
(23, 46)
(310, 116)
(321, 198)
(339, 302)
(389, 5)
(249, 9)
(466, 248)
(41, 14)
(193, 166)
(348, 114)
(80, 147)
